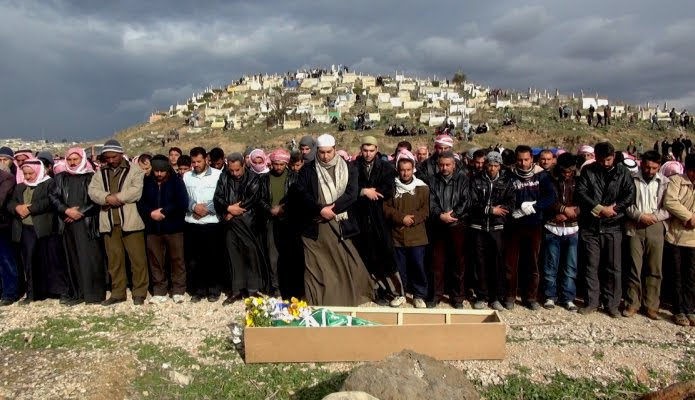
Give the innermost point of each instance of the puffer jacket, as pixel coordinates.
(598, 187)
(487, 193)
(679, 201)
(447, 196)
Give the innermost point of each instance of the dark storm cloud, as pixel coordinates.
(85, 69)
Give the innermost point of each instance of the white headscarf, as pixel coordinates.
(39, 169)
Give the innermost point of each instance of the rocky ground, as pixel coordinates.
(183, 351)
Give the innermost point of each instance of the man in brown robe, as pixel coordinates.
(325, 191)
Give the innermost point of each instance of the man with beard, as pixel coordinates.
(323, 196)
(20, 156)
(216, 158)
(79, 224)
(307, 146)
(604, 192)
(492, 198)
(421, 154)
(645, 231)
(163, 207)
(477, 163)
(407, 212)
(202, 240)
(449, 200)
(237, 199)
(279, 238)
(534, 194)
(374, 243)
(442, 143)
(116, 188)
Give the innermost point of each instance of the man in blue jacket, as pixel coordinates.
(163, 207)
(534, 194)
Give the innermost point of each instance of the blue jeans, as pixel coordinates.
(560, 248)
(9, 279)
(415, 258)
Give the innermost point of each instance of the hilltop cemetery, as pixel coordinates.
(399, 105)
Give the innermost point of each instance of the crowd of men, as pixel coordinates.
(488, 226)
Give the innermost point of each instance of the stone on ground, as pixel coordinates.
(350, 396)
(409, 375)
(677, 391)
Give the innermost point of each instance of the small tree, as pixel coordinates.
(459, 78)
(278, 106)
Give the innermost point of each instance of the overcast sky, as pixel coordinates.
(86, 69)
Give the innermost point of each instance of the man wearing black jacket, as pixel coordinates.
(279, 238)
(604, 191)
(492, 198)
(163, 207)
(449, 200)
(237, 200)
(534, 194)
(374, 243)
(9, 281)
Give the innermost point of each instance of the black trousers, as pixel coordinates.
(205, 259)
(489, 264)
(602, 254)
(683, 272)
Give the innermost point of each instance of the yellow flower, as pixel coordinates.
(247, 301)
(255, 312)
(294, 300)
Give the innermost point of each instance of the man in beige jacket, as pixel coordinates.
(645, 230)
(116, 188)
(679, 200)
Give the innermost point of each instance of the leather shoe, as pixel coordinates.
(111, 301)
(138, 301)
(629, 312)
(652, 314)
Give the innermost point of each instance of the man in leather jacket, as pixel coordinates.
(492, 198)
(237, 201)
(604, 192)
(449, 200)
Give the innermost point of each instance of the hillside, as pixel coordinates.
(538, 127)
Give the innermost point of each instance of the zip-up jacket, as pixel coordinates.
(171, 196)
(487, 193)
(564, 192)
(451, 195)
(539, 188)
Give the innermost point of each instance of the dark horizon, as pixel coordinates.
(83, 71)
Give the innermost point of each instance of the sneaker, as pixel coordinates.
(691, 318)
(509, 305)
(178, 298)
(571, 307)
(157, 299)
(138, 300)
(398, 301)
(419, 303)
(587, 310)
(479, 305)
(533, 305)
(496, 305)
(111, 301)
(681, 319)
(549, 304)
(458, 305)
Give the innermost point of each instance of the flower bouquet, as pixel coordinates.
(269, 311)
